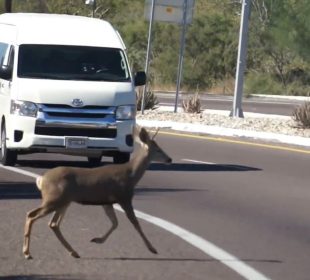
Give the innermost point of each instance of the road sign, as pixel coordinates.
(175, 11)
(169, 10)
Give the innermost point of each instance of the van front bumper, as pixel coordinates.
(70, 137)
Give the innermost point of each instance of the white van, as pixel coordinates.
(65, 87)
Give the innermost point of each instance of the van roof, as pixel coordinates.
(62, 29)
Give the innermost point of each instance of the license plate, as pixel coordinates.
(76, 142)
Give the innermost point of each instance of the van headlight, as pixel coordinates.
(24, 108)
(125, 112)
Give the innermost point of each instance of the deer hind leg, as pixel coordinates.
(54, 224)
(133, 219)
(32, 216)
(109, 210)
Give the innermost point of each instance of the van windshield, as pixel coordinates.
(72, 63)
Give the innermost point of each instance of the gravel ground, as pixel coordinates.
(252, 122)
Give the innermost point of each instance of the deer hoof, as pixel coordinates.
(75, 255)
(28, 257)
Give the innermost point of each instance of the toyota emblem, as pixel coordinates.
(77, 102)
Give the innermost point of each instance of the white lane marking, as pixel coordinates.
(205, 246)
(198, 161)
(20, 171)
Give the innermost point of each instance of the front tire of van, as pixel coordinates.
(94, 161)
(8, 157)
(121, 157)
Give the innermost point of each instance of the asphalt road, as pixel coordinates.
(261, 105)
(250, 201)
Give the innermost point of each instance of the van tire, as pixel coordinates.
(121, 157)
(8, 157)
(94, 161)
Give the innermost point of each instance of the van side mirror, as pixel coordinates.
(6, 72)
(140, 78)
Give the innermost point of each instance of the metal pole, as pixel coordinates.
(147, 61)
(8, 6)
(241, 60)
(94, 7)
(181, 56)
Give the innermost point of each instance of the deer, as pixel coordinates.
(104, 186)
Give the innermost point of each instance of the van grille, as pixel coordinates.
(64, 120)
(66, 111)
(89, 132)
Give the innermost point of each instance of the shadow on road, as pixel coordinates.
(200, 167)
(191, 167)
(47, 164)
(139, 190)
(18, 190)
(193, 260)
(41, 277)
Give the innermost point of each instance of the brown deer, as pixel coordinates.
(103, 186)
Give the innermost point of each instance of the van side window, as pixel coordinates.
(3, 50)
(10, 62)
(6, 61)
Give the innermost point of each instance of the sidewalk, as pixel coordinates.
(223, 131)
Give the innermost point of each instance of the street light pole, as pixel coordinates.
(181, 56)
(241, 60)
(94, 7)
(147, 61)
(93, 4)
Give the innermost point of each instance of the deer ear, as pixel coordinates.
(144, 136)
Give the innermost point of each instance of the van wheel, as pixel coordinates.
(94, 161)
(121, 157)
(8, 157)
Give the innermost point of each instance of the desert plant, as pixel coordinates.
(192, 104)
(150, 99)
(301, 115)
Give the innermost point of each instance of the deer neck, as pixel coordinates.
(140, 163)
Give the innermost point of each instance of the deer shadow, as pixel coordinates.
(198, 167)
(48, 164)
(167, 259)
(41, 277)
(191, 167)
(18, 190)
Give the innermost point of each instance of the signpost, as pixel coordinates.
(173, 11)
(170, 10)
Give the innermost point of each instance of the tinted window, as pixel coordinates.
(3, 48)
(72, 63)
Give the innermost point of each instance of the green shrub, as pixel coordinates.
(257, 83)
(301, 115)
(297, 89)
(192, 104)
(150, 99)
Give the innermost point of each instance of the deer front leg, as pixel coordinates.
(133, 219)
(109, 210)
(54, 224)
(32, 216)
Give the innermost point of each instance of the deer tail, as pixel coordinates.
(39, 183)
